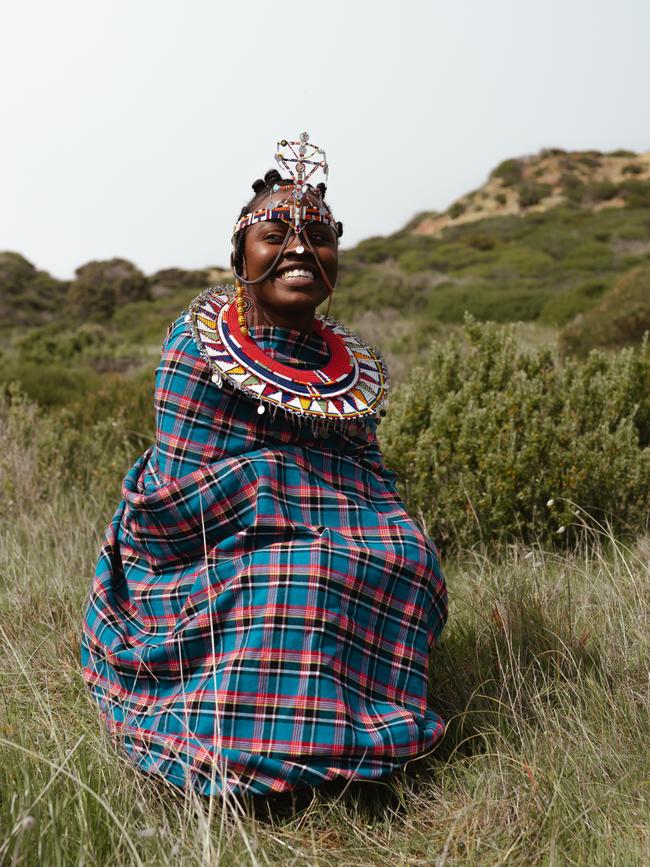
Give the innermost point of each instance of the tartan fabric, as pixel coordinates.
(263, 607)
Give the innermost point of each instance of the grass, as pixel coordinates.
(542, 675)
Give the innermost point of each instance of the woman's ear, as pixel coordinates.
(232, 265)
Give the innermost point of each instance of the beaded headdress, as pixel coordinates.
(302, 161)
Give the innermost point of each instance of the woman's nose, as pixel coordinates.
(298, 248)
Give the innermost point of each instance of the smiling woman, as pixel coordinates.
(263, 607)
(302, 278)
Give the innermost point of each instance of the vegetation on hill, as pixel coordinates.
(546, 239)
(545, 267)
(543, 181)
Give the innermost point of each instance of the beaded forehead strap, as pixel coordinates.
(302, 160)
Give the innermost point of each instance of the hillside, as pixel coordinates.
(534, 184)
(545, 239)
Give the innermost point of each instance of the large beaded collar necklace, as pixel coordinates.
(351, 387)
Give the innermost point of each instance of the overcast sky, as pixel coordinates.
(134, 128)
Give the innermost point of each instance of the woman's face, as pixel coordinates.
(287, 295)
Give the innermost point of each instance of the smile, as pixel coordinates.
(297, 274)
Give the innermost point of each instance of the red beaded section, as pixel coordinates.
(338, 365)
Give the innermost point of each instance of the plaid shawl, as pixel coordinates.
(263, 607)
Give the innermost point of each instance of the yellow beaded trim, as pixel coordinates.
(242, 303)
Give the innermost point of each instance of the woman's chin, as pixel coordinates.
(301, 292)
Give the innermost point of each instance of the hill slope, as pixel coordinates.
(532, 184)
(544, 240)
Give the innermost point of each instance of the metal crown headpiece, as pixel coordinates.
(302, 161)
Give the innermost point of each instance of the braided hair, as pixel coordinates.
(263, 187)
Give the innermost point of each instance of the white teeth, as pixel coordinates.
(297, 272)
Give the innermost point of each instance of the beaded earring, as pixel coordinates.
(243, 304)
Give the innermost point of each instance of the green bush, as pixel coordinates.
(27, 296)
(621, 152)
(531, 193)
(49, 385)
(572, 187)
(90, 343)
(510, 172)
(601, 191)
(86, 446)
(101, 287)
(174, 278)
(450, 303)
(590, 159)
(456, 210)
(590, 255)
(483, 436)
(562, 307)
(622, 316)
(636, 193)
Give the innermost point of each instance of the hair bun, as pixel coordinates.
(339, 226)
(258, 185)
(322, 187)
(272, 177)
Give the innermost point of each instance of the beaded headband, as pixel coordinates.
(300, 163)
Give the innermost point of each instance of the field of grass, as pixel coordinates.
(542, 675)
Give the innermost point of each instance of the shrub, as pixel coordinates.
(27, 296)
(531, 193)
(601, 191)
(174, 278)
(16, 273)
(413, 261)
(590, 159)
(90, 343)
(633, 169)
(500, 199)
(621, 317)
(456, 210)
(621, 152)
(49, 385)
(455, 257)
(373, 250)
(100, 287)
(572, 187)
(636, 194)
(510, 172)
(590, 255)
(86, 446)
(482, 436)
(450, 302)
(562, 307)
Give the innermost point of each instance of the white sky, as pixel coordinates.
(134, 128)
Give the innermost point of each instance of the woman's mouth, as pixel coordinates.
(297, 276)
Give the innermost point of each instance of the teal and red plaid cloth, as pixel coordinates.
(263, 607)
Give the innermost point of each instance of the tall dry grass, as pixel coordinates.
(542, 675)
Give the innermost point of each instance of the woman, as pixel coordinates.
(263, 606)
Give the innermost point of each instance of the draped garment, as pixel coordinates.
(263, 607)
